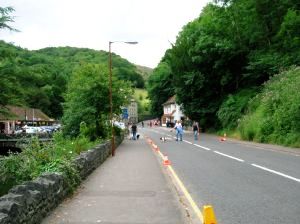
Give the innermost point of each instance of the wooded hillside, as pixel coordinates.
(38, 79)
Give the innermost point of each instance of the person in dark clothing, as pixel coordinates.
(134, 130)
(196, 130)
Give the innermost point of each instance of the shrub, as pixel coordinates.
(249, 126)
(233, 108)
(36, 159)
(275, 111)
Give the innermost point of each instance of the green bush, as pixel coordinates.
(233, 108)
(274, 114)
(249, 126)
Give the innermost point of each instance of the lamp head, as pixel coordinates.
(131, 42)
(126, 42)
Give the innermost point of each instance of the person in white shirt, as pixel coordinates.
(179, 130)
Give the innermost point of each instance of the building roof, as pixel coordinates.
(171, 100)
(23, 113)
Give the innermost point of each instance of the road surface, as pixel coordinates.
(244, 182)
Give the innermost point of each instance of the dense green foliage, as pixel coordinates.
(35, 160)
(274, 114)
(222, 58)
(9, 86)
(31, 79)
(87, 100)
(160, 87)
(39, 79)
(233, 108)
(72, 57)
(141, 97)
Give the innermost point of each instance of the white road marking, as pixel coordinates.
(276, 172)
(208, 149)
(240, 160)
(187, 142)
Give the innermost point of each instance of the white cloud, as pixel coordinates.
(93, 23)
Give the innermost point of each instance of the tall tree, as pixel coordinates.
(234, 44)
(8, 82)
(10, 91)
(160, 87)
(87, 100)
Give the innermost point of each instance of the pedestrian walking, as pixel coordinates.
(196, 130)
(133, 130)
(179, 130)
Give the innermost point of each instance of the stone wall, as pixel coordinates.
(33, 200)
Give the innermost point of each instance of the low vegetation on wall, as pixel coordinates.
(35, 160)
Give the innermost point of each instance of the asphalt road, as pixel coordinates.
(244, 182)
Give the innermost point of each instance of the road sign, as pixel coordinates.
(125, 113)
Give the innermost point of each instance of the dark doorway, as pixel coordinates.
(2, 127)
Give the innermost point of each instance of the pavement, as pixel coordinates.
(130, 188)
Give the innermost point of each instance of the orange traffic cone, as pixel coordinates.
(166, 161)
(222, 139)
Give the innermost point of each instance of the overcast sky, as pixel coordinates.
(93, 23)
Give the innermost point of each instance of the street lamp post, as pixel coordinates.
(113, 148)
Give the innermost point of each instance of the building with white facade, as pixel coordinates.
(172, 112)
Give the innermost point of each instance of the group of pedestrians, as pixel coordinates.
(179, 130)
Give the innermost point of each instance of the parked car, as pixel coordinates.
(49, 129)
(33, 130)
(119, 125)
